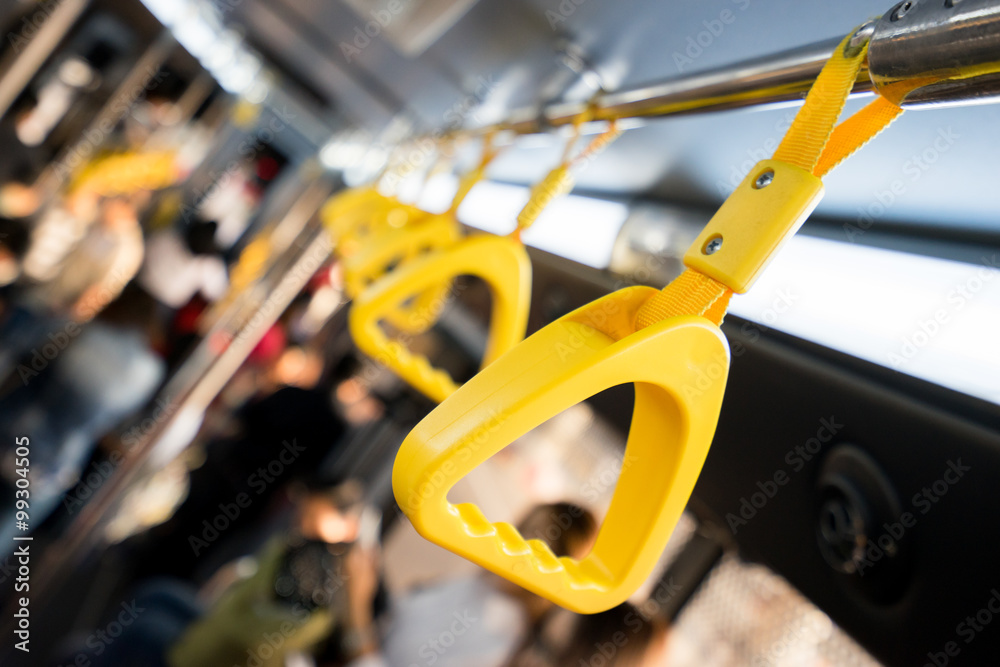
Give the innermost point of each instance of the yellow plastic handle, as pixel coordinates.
(399, 246)
(344, 212)
(501, 262)
(354, 217)
(679, 367)
(750, 227)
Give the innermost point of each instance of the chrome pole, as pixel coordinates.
(922, 52)
(943, 53)
(18, 72)
(779, 78)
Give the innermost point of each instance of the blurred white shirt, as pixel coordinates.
(173, 274)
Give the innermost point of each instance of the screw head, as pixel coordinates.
(901, 10)
(764, 179)
(859, 39)
(713, 246)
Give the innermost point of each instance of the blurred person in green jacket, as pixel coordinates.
(292, 598)
(295, 597)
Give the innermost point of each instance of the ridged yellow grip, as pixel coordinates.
(499, 261)
(396, 247)
(679, 368)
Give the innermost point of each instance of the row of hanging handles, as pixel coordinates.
(400, 264)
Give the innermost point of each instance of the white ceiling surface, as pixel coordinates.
(506, 48)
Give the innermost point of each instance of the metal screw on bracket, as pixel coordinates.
(901, 10)
(764, 179)
(713, 246)
(859, 39)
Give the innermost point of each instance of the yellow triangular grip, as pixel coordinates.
(679, 367)
(399, 246)
(354, 217)
(350, 209)
(501, 262)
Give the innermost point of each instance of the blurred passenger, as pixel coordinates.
(89, 379)
(76, 269)
(18, 200)
(295, 598)
(493, 616)
(287, 599)
(281, 439)
(14, 236)
(21, 163)
(18, 203)
(180, 266)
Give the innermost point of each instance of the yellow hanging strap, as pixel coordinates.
(855, 132)
(559, 181)
(812, 145)
(470, 179)
(126, 173)
(391, 174)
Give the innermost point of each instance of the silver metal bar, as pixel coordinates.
(938, 53)
(780, 78)
(18, 72)
(922, 52)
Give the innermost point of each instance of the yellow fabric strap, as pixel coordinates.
(560, 181)
(691, 293)
(556, 183)
(855, 132)
(812, 143)
(471, 178)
